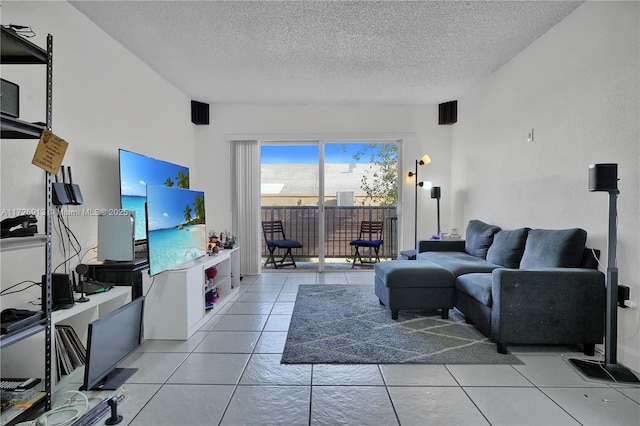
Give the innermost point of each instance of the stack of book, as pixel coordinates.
(70, 352)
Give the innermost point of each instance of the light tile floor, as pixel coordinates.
(229, 373)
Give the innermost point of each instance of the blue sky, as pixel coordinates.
(137, 171)
(165, 206)
(309, 154)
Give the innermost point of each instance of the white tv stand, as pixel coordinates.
(175, 299)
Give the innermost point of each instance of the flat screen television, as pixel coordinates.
(110, 341)
(176, 231)
(136, 172)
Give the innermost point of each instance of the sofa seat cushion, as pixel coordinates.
(479, 237)
(458, 263)
(508, 247)
(477, 286)
(413, 273)
(561, 248)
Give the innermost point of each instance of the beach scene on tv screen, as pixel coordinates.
(176, 227)
(136, 172)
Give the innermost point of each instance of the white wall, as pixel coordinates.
(577, 86)
(104, 98)
(418, 124)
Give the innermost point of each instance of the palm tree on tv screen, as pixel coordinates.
(199, 206)
(183, 179)
(187, 214)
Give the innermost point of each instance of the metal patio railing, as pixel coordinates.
(342, 224)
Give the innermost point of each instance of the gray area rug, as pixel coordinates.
(345, 324)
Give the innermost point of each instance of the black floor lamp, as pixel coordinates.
(424, 160)
(604, 178)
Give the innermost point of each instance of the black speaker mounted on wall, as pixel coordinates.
(199, 112)
(448, 112)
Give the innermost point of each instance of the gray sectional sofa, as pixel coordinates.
(523, 286)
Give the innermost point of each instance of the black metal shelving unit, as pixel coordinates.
(15, 49)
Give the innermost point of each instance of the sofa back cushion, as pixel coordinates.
(561, 248)
(590, 258)
(508, 247)
(479, 237)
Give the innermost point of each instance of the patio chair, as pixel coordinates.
(275, 239)
(370, 237)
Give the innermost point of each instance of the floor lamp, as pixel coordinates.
(424, 160)
(435, 193)
(604, 178)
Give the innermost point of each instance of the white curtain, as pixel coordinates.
(246, 204)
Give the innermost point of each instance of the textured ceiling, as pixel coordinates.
(325, 52)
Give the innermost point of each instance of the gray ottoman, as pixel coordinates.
(414, 285)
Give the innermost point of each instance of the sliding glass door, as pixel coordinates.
(361, 184)
(322, 191)
(290, 192)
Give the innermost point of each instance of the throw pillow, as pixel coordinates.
(479, 237)
(547, 248)
(508, 247)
